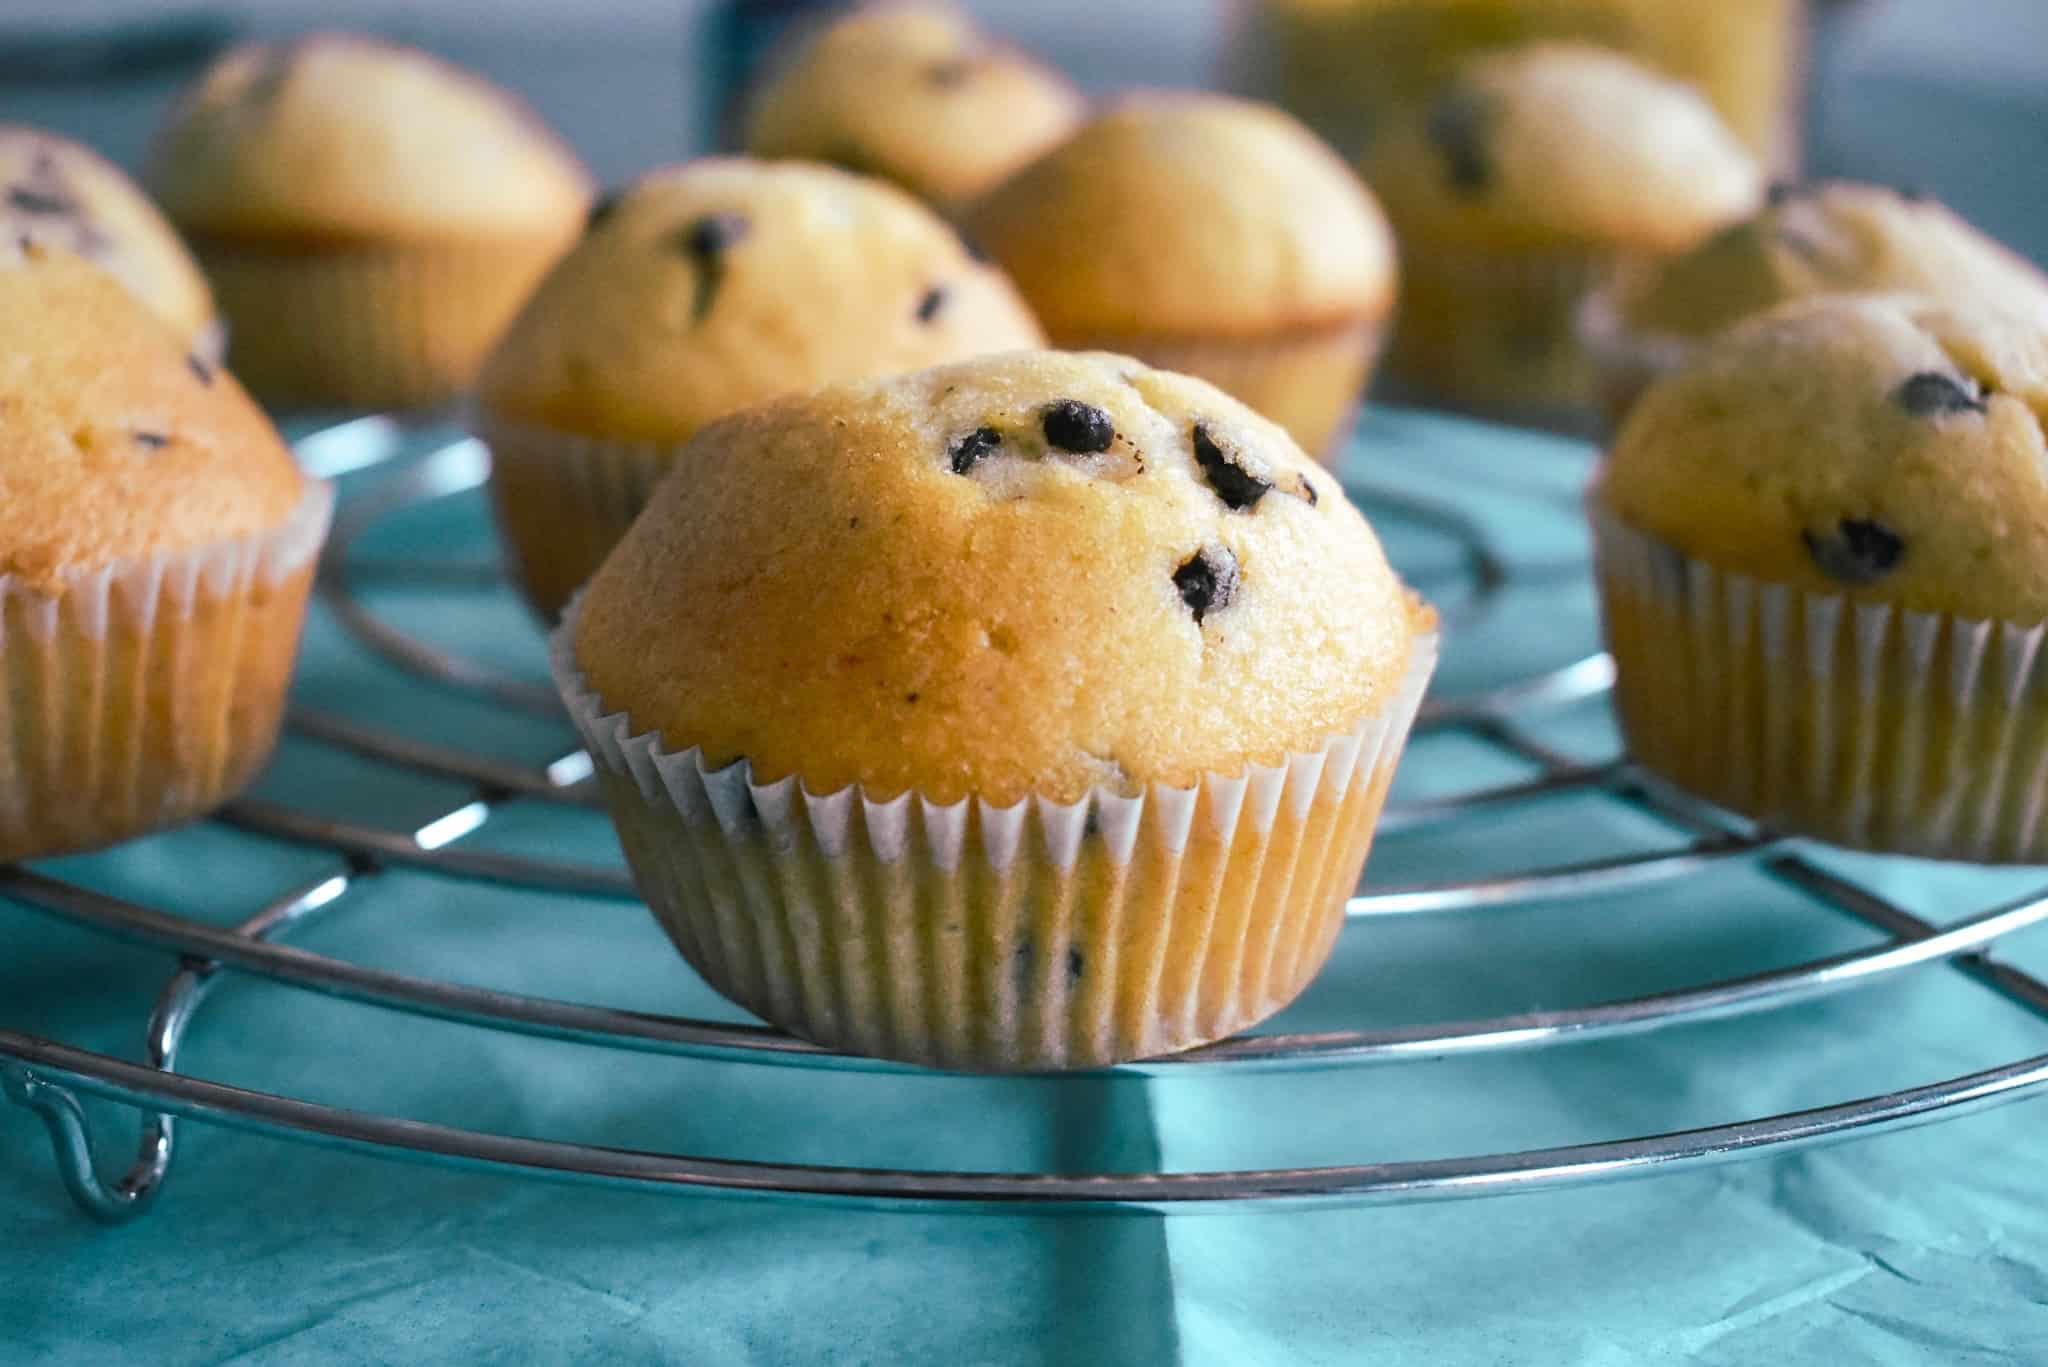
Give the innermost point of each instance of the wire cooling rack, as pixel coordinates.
(51, 1077)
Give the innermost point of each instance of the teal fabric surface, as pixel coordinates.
(1928, 1246)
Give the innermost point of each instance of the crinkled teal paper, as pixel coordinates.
(1922, 1247)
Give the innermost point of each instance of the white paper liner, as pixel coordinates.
(141, 692)
(1627, 360)
(988, 937)
(563, 500)
(1854, 722)
(402, 325)
(1495, 332)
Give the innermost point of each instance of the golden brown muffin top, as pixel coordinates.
(1830, 238)
(713, 285)
(64, 194)
(115, 442)
(1889, 448)
(916, 94)
(1178, 213)
(1562, 145)
(1023, 574)
(336, 138)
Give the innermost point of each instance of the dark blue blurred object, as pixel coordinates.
(739, 36)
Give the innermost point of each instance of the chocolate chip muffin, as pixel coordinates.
(1029, 712)
(1207, 235)
(1532, 177)
(1833, 237)
(699, 290)
(1350, 66)
(156, 548)
(916, 94)
(1822, 548)
(370, 217)
(60, 193)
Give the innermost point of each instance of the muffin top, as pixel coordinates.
(1829, 238)
(709, 286)
(1559, 145)
(1185, 213)
(1883, 447)
(914, 93)
(63, 194)
(117, 442)
(340, 139)
(1022, 574)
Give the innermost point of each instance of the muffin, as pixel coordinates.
(1348, 66)
(1823, 560)
(916, 94)
(1029, 712)
(1207, 235)
(1829, 238)
(156, 548)
(700, 290)
(1532, 177)
(60, 193)
(370, 217)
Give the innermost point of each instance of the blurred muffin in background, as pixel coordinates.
(1208, 235)
(699, 290)
(1530, 179)
(1347, 66)
(913, 92)
(369, 216)
(1828, 238)
(60, 193)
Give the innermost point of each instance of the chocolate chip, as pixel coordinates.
(1077, 962)
(602, 208)
(1783, 192)
(1459, 124)
(949, 73)
(977, 446)
(199, 368)
(929, 306)
(155, 441)
(1859, 551)
(714, 234)
(1207, 581)
(1308, 491)
(1916, 194)
(911, 698)
(1081, 428)
(707, 240)
(1237, 487)
(31, 200)
(1933, 394)
(975, 251)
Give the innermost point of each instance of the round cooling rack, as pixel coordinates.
(391, 472)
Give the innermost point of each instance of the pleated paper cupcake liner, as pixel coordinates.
(147, 691)
(1854, 722)
(402, 326)
(563, 500)
(1495, 332)
(969, 935)
(1310, 380)
(1626, 361)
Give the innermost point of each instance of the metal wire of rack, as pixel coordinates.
(49, 1077)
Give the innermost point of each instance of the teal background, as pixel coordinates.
(1925, 1246)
